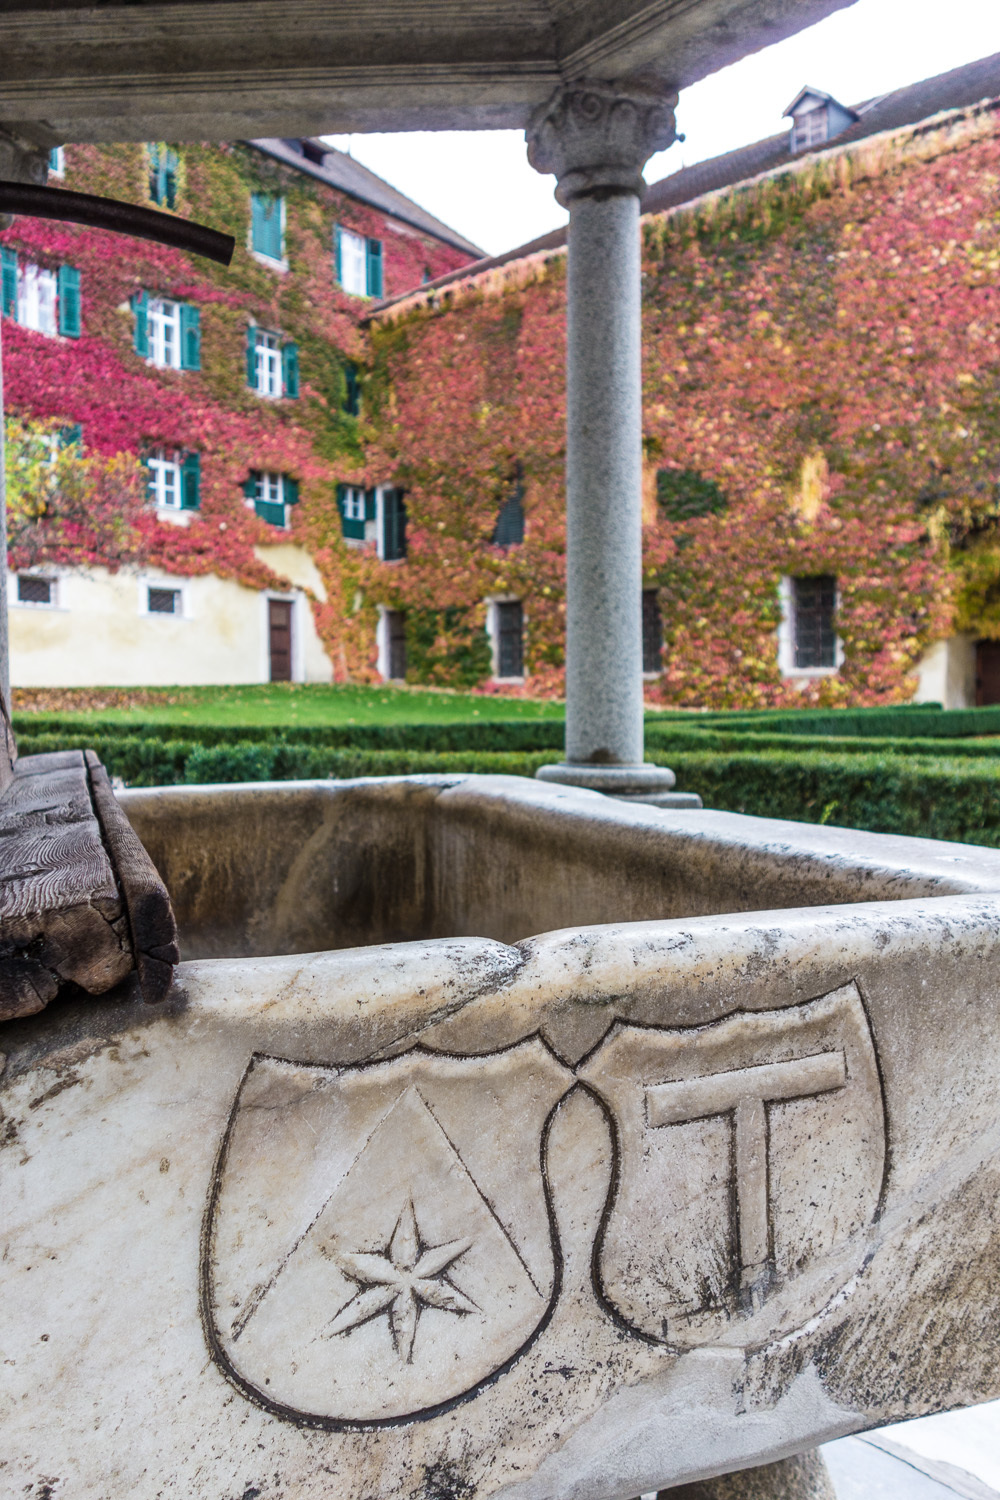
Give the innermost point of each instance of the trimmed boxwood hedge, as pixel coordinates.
(142, 761)
(466, 735)
(938, 799)
(771, 764)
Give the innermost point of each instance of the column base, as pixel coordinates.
(805, 1477)
(642, 783)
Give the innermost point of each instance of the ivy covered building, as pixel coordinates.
(344, 457)
(821, 343)
(180, 434)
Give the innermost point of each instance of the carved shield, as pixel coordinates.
(751, 1159)
(378, 1240)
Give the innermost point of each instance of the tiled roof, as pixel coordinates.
(906, 106)
(342, 172)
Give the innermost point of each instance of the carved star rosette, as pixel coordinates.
(370, 1255)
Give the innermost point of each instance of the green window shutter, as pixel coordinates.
(270, 512)
(371, 505)
(69, 301)
(266, 225)
(252, 357)
(257, 221)
(338, 258)
(250, 486)
(290, 490)
(190, 337)
(150, 487)
(169, 180)
(140, 306)
(374, 268)
(191, 481)
(290, 370)
(71, 435)
(153, 153)
(8, 262)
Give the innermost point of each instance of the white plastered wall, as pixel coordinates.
(99, 633)
(946, 673)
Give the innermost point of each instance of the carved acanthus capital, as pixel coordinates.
(21, 161)
(596, 136)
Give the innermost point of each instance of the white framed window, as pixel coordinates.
(161, 600)
(163, 597)
(505, 627)
(808, 645)
(354, 263)
(57, 162)
(37, 590)
(165, 333)
(165, 485)
(270, 496)
(267, 363)
(37, 291)
(268, 489)
(354, 503)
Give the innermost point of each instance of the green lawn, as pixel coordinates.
(302, 705)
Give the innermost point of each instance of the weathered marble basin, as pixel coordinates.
(602, 1149)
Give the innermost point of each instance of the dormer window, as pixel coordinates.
(816, 117)
(810, 128)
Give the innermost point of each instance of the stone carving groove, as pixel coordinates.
(596, 137)
(380, 1241)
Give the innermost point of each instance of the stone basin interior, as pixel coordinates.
(297, 867)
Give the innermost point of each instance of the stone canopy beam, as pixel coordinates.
(225, 69)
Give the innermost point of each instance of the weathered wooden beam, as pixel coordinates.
(151, 921)
(80, 901)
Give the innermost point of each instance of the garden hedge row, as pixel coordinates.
(144, 761)
(955, 798)
(939, 799)
(502, 735)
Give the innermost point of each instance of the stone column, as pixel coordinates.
(19, 162)
(596, 137)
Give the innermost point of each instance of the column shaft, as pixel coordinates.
(604, 484)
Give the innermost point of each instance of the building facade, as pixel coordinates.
(180, 434)
(350, 447)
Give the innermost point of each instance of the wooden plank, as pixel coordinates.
(8, 745)
(62, 916)
(147, 903)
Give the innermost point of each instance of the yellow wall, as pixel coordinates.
(99, 634)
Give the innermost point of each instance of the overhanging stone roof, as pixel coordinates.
(342, 172)
(221, 70)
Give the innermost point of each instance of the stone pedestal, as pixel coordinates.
(641, 783)
(805, 1477)
(595, 138)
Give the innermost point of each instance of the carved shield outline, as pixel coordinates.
(592, 1085)
(218, 1352)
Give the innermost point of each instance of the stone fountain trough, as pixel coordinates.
(503, 1139)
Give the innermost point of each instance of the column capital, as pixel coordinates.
(597, 136)
(21, 161)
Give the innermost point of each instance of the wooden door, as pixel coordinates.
(987, 672)
(279, 619)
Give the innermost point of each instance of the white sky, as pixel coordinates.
(480, 183)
